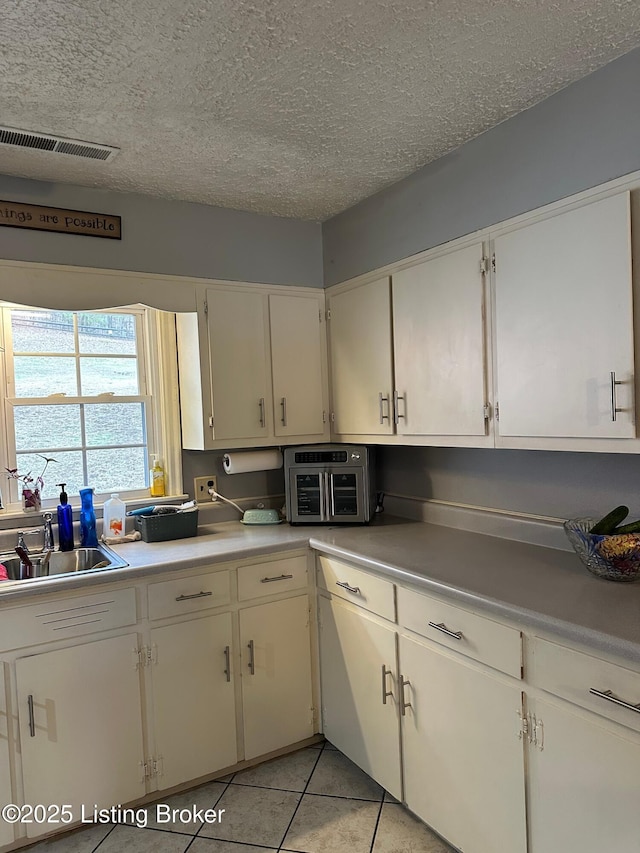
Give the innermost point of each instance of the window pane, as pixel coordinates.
(117, 470)
(107, 333)
(41, 376)
(103, 375)
(47, 426)
(42, 331)
(114, 423)
(67, 469)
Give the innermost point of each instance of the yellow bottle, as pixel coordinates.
(157, 479)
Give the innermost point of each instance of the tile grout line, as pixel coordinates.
(313, 770)
(105, 838)
(375, 831)
(197, 835)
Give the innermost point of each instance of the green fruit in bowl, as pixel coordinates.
(609, 523)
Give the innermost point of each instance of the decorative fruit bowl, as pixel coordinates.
(614, 557)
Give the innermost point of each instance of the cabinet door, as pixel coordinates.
(362, 382)
(438, 333)
(357, 666)
(583, 784)
(564, 328)
(82, 740)
(463, 762)
(6, 829)
(297, 354)
(276, 675)
(194, 704)
(239, 359)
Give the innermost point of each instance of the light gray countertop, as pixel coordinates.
(542, 588)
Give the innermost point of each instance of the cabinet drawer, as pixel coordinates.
(67, 617)
(572, 675)
(357, 586)
(186, 595)
(272, 577)
(477, 637)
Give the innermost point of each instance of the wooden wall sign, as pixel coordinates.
(17, 215)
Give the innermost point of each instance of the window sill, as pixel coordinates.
(14, 517)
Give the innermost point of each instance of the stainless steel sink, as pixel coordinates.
(64, 562)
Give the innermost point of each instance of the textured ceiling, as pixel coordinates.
(297, 108)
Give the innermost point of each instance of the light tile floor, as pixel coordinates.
(312, 801)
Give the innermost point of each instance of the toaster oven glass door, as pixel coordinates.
(329, 496)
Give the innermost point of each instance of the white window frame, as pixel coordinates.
(156, 359)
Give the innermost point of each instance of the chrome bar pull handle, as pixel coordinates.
(227, 662)
(32, 719)
(609, 697)
(261, 407)
(385, 692)
(614, 402)
(194, 595)
(440, 626)
(404, 705)
(381, 401)
(279, 578)
(283, 403)
(354, 589)
(396, 407)
(252, 658)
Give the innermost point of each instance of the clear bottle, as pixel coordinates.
(88, 534)
(65, 521)
(113, 517)
(157, 487)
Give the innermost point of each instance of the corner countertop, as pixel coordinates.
(542, 588)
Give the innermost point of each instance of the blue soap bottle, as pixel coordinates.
(65, 521)
(88, 535)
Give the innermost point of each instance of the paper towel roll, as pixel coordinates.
(258, 460)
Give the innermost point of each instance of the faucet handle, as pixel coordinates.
(47, 516)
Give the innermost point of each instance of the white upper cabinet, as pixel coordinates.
(361, 367)
(439, 345)
(298, 365)
(564, 325)
(239, 363)
(253, 368)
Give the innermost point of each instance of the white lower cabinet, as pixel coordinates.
(276, 675)
(583, 783)
(463, 762)
(194, 705)
(6, 796)
(80, 721)
(360, 691)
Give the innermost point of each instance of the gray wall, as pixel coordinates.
(584, 135)
(197, 463)
(170, 237)
(558, 484)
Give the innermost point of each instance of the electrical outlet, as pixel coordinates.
(201, 487)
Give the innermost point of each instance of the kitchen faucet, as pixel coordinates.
(47, 534)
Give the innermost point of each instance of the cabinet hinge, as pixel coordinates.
(211, 421)
(531, 729)
(497, 411)
(493, 262)
(206, 308)
(328, 313)
(151, 767)
(484, 266)
(320, 315)
(333, 417)
(487, 412)
(145, 656)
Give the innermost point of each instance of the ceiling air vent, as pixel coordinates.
(56, 144)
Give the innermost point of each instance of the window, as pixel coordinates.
(79, 389)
